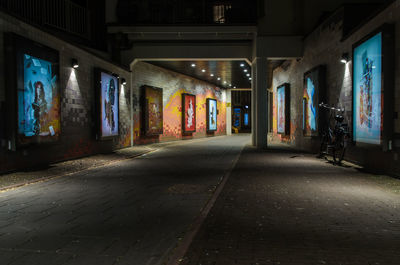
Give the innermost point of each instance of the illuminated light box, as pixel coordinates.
(246, 119)
(313, 94)
(237, 114)
(152, 110)
(211, 115)
(107, 91)
(283, 109)
(188, 113)
(33, 96)
(372, 94)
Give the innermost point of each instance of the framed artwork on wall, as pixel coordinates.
(372, 94)
(211, 114)
(107, 102)
(188, 113)
(152, 103)
(313, 94)
(283, 109)
(237, 117)
(33, 93)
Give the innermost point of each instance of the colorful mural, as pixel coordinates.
(109, 101)
(367, 91)
(38, 101)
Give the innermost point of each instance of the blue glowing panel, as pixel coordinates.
(109, 105)
(281, 109)
(367, 91)
(236, 117)
(38, 102)
(211, 114)
(246, 119)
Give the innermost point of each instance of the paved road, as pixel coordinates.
(131, 212)
(280, 207)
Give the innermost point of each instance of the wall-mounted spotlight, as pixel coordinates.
(123, 81)
(74, 63)
(345, 58)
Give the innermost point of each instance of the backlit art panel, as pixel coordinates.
(189, 113)
(367, 91)
(211, 115)
(237, 113)
(109, 105)
(153, 110)
(281, 109)
(38, 100)
(313, 94)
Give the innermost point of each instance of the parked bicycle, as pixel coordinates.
(335, 136)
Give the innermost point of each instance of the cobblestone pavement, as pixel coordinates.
(281, 207)
(128, 212)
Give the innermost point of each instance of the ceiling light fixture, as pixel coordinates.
(211, 74)
(249, 78)
(193, 65)
(245, 70)
(248, 75)
(219, 78)
(203, 70)
(242, 65)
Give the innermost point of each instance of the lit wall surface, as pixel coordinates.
(367, 87)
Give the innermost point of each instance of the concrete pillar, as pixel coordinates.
(259, 102)
(228, 112)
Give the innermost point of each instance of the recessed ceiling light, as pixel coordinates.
(211, 74)
(203, 70)
(219, 78)
(193, 65)
(224, 82)
(248, 75)
(234, 87)
(249, 78)
(242, 65)
(245, 70)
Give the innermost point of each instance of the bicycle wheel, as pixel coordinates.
(338, 150)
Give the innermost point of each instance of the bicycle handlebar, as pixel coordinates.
(326, 106)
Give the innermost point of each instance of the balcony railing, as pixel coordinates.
(60, 14)
(186, 12)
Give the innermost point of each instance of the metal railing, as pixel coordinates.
(61, 14)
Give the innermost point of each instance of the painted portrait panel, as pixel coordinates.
(109, 105)
(313, 94)
(211, 115)
(367, 91)
(188, 113)
(281, 109)
(37, 93)
(153, 110)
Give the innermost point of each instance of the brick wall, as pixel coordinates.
(324, 46)
(77, 101)
(174, 84)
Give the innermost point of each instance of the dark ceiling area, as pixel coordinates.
(227, 74)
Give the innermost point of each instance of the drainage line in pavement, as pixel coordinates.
(180, 251)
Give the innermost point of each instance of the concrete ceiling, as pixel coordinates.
(232, 74)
